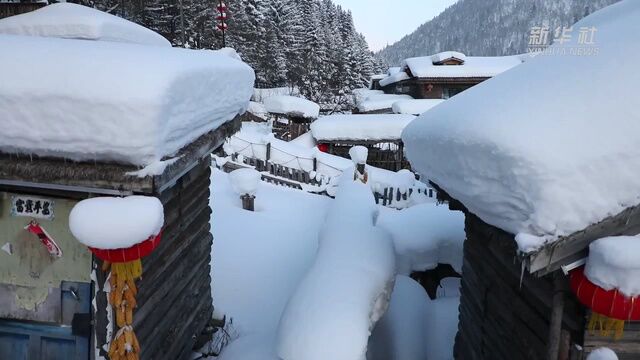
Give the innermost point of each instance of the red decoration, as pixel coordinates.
(222, 17)
(222, 27)
(222, 7)
(45, 238)
(323, 148)
(611, 303)
(135, 252)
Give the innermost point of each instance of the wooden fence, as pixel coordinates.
(294, 178)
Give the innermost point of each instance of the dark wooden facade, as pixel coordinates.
(174, 299)
(383, 154)
(289, 127)
(11, 9)
(432, 88)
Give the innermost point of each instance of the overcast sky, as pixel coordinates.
(385, 22)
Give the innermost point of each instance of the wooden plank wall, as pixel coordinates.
(627, 348)
(174, 299)
(500, 317)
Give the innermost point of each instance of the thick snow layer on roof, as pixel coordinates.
(72, 21)
(257, 109)
(613, 264)
(545, 163)
(380, 102)
(361, 94)
(360, 127)
(474, 66)
(440, 57)
(424, 236)
(259, 95)
(110, 101)
(394, 78)
(602, 354)
(394, 70)
(293, 106)
(116, 223)
(414, 107)
(346, 291)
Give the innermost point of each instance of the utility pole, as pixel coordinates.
(222, 18)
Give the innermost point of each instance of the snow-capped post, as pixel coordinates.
(120, 232)
(359, 156)
(245, 184)
(222, 18)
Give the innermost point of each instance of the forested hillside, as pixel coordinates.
(489, 27)
(309, 44)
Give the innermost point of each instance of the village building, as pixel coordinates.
(541, 182)
(443, 75)
(379, 133)
(291, 115)
(119, 115)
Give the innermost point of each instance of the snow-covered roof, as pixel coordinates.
(474, 66)
(360, 127)
(72, 21)
(376, 102)
(394, 78)
(539, 162)
(108, 101)
(378, 76)
(447, 55)
(415, 107)
(292, 106)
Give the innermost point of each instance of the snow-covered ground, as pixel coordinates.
(260, 258)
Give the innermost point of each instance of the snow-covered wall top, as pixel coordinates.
(374, 102)
(292, 106)
(415, 107)
(107, 101)
(543, 149)
(473, 66)
(360, 127)
(72, 21)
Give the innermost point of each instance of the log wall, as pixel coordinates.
(174, 299)
(505, 312)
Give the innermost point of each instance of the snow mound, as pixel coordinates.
(442, 327)
(110, 101)
(394, 78)
(257, 109)
(292, 106)
(613, 264)
(363, 93)
(424, 236)
(380, 102)
(537, 162)
(72, 21)
(359, 154)
(414, 107)
(346, 291)
(602, 354)
(245, 181)
(116, 223)
(250, 347)
(360, 127)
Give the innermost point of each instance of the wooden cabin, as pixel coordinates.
(292, 116)
(379, 133)
(510, 303)
(58, 309)
(75, 137)
(444, 75)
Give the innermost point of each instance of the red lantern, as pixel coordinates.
(222, 7)
(222, 17)
(610, 303)
(323, 148)
(222, 27)
(133, 253)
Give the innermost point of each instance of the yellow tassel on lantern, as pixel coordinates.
(606, 326)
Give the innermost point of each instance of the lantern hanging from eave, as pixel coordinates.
(610, 308)
(120, 232)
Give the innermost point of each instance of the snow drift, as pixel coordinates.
(346, 291)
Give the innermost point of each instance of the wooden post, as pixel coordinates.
(557, 313)
(248, 202)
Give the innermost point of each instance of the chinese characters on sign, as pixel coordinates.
(539, 40)
(32, 207)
